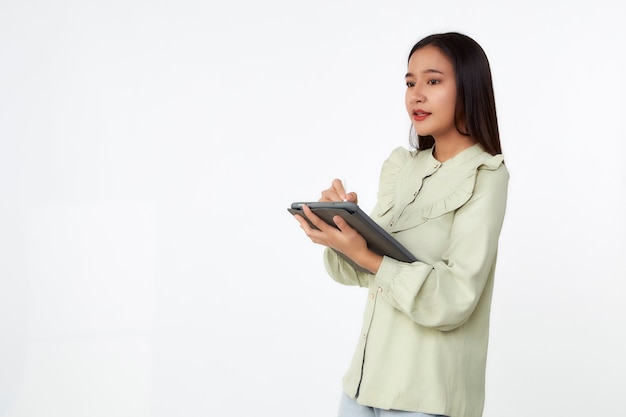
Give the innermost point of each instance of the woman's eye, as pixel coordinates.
(410, 84)
(433, 82)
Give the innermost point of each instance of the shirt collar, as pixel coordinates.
(459, 159)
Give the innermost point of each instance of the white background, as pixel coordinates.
(148, 153)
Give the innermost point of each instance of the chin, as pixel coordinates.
(423, 132)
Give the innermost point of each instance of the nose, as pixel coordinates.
(416, 96)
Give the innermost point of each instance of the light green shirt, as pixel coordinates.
(423, 344)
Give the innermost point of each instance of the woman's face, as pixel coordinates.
(431, 93)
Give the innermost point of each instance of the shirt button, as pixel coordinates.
(380, 289)
(371, 296)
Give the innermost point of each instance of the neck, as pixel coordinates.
(448, 148)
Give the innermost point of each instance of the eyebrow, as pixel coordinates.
(428, 71)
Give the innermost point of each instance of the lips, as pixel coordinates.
(420, 114)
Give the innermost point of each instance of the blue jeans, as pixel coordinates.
(350, 408)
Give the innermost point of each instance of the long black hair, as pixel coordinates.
(475, 108)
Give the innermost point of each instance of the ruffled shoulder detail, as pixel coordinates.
(390, 175)
(490, 162)
(459, 194)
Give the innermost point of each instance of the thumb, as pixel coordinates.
(341, 223)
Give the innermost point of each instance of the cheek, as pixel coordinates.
(448, 102)
(451, 97)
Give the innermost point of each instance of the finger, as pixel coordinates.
(336, 192)
(330, 194)
(339, 188)
(311, 232)
(342, 225)
(352, 197)
(314, 220)
(303, 223)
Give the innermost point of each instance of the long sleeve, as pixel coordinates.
(345, 272)
(425, 331)
(444, 295)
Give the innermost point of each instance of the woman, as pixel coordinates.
(423, 343)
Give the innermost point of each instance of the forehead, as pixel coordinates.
(429, 57)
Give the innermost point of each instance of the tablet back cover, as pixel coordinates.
(378, 239)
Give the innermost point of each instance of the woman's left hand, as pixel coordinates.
(343, 239)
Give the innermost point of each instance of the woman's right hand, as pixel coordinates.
(337, 192)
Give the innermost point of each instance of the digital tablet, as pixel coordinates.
(378, 239)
